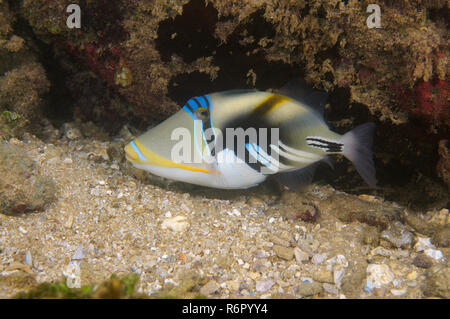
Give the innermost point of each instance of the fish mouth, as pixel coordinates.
(131, 153)
(137, 153)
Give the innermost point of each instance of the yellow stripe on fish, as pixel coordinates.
(142, 155)
(269, 104)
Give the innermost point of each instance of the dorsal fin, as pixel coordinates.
(298, 90)
(237, 92)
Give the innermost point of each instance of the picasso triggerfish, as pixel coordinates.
(237, 139)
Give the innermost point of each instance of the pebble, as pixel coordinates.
(323, 275)
(300, 255)
(278, 241)
(177, 224)
(370, 198)
(259, 267)
(28, 260)
(261, 254)
(309, 289)
(441, 217)
(68, 223)
(233, 285)
(371, 236)
(380, 251)
(338, 274)
(243, 286)
(331, 289)
(283, 252)
(72, 272)
(399, 292)
(423, 243)
(339, 260)
(412, 275)
(80, 253)
(318, 259)
(264, 285)
(397, 235)
(211, 287)
(379, 275)
(434, 253)
(253, 275)
(236, 212)
(422, 261)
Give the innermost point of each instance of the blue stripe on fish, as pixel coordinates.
(192, 104)
(138, 151)
(201, 101)
(208, 100)
(188, 111)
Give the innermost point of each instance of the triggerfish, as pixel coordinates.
(236, 139)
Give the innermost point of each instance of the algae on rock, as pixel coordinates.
(22, 187)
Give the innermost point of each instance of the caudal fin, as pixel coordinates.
(358, 149)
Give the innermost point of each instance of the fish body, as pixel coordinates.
(236, 139)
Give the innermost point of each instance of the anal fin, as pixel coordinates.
(298, 178)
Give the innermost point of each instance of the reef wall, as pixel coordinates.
(139, 60)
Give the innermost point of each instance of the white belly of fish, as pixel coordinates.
(235, 173)
(232, 173)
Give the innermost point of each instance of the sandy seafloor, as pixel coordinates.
(109, 219)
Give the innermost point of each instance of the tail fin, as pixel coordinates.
(358, 149)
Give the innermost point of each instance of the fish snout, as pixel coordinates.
(133, 154)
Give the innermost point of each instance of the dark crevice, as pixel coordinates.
(59, 104)
(439, 15)
(238, 59)
(104, 18)
(190, 35)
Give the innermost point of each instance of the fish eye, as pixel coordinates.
(202, 113)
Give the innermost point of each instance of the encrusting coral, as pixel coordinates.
(155, 42)
(155, 54)
(23, 80)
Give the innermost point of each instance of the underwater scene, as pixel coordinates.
(222, 149)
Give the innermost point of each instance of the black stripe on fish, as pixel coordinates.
(207, 125)
(249, 159)
(328, 146)
(189, 107)
(208, 106)
(252, 162)
(210, 142)
(197, 102)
